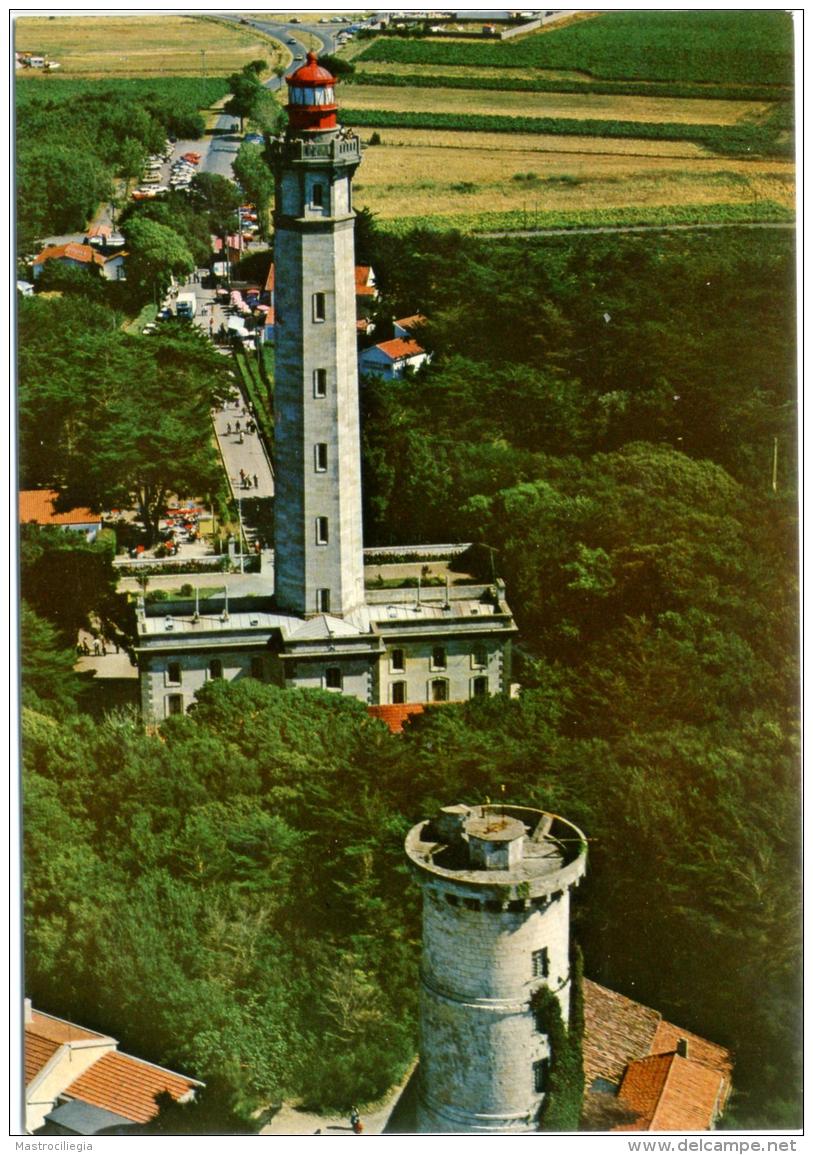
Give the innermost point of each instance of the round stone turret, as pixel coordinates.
(496, 926)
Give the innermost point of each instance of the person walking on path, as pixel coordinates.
(256, 482)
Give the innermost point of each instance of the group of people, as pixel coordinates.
(246, 480)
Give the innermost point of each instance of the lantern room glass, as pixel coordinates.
(313, 97)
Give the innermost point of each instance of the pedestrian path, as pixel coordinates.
(244, 455)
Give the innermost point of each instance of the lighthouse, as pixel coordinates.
(395, 647)
(318, 528)
(496, 884)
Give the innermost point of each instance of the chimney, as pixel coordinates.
(682, 1048)
(28, 1014)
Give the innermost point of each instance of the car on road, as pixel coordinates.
(292, 40)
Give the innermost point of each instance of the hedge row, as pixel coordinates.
(738, 140)
(763, 212)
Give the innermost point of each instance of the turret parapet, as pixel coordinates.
(497, 853)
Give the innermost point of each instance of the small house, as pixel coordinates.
(391, 359)
(37, 506)
(73, 254)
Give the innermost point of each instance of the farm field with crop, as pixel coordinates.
(407, 176)
(703, 46)
(135, 46)
(458, 153)
(655, 109)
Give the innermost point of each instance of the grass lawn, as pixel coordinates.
(134, 45)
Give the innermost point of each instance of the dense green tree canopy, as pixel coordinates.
(118, 419)
(156, 253)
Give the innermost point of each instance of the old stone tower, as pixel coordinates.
(318, 534)
(496, 926)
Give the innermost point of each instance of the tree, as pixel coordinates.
(256, 179)
(48, 678)
(218, 198)
(71, 582)
(245, 88)
(128, 420)
(156, 253)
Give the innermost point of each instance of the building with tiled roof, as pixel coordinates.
(391, 359)
(406, 326)
(663, 1077)
(78, 1083)
(74, 254)
(37, 505)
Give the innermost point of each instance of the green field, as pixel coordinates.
(737, 47)
(181, 91)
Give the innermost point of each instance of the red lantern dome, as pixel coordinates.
(311, 98)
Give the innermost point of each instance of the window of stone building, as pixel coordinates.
(318, 195)
(438, 658)
(397, 660)
(320, 457)
(258, 669)
(215, 668)
(319, 307)
(541, 1072)
(479, 657)
(321, 531)
(323, 601)
(333, 678)
(479, 687)
(320, 382)
(399, 695)
(540, 963)
(173, 673)
(174, 704)
(439, 690)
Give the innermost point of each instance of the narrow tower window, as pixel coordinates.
(321, 531)
(540, 963)
(174, 674)
(320, 457)
(541, 1070)
(320, 382)
(323, 601)
(333, 678)
(397, 660)
(318, 196)
(258, 669)
(438, 658)
(215, 668)
(319, 307)
(398, 693)
(174, 704)
(479, 687)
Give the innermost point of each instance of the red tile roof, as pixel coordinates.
(72, 252)
(398, 348)
(700, 1050)
(671, 1093)
(128, 1086)
(44, 1036)
(395, 716)
(411, 322)
(269, 281)
(37, 505)
(37, 1053)
(629, 1044)
(58, 1030)
(616, 1031)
